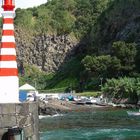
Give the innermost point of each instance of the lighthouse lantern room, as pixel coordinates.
(9, 84)
(8, 5)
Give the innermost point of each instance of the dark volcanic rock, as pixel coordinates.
(48, 52)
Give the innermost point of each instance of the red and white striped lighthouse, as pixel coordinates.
(9, 83)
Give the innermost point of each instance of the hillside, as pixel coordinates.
(50, 34)
(53, 37)
(120, 21)
(118, 24)
(63, 39)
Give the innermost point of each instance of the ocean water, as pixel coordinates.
(97, 124)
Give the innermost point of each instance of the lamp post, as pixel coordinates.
(101, 80)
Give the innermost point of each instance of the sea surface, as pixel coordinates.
(97, 124)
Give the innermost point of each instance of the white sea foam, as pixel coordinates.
(57, 115)
(42, 116)
(47, 116)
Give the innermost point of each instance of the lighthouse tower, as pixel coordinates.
(9, 84)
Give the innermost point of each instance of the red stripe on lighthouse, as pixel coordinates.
(8, 20)
(8, 45)
(8, 72)
(8, 32)
(7, 58)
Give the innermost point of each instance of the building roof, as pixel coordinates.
(27, 87)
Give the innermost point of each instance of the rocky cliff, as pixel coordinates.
(118, 20)
(48, 52)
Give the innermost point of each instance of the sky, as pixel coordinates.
(25, 4)
(28, 3)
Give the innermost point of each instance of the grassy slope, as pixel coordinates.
(68, 76)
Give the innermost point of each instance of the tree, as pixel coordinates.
(24, 18)
(122, 88)
(114, 67)
(63, 21)
(126, 53)
(105, 65)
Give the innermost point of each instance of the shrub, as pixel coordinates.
(122, 88)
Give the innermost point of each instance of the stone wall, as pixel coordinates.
(22, 115)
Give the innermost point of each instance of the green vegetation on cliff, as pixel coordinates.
(109, 31)
(120, 62)
(61, 17)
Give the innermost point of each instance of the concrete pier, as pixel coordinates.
(20, 115)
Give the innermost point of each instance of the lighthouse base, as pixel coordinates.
(19, 116)
(9, 89)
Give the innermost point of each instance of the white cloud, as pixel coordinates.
(28, 3)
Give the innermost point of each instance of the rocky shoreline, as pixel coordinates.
(56, 106)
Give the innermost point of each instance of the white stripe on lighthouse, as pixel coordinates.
(8, 64)
(8, 14)
(8, 39)
(7, 51)
(8, 27)
(9, 92)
